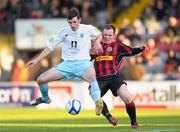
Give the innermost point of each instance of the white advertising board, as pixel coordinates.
(145, 95)
(158, 94)
(34, 33)
(164, 94)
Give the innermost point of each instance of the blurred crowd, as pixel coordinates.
(92, 11)
(158, 28)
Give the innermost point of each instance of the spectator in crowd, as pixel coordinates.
(20, 74)
(152, 25)
(87, 18)
(173, 8)
(45, 6)
(136, 68)
(160, 10)
(55, 8)
(178, 73)
(147, 12)
(170, 65)
(169, 37)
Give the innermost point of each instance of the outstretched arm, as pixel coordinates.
(37, 58)
(136, 51)
(128, 51)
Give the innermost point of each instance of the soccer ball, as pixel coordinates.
(73, 106)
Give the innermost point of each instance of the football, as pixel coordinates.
(73, 106)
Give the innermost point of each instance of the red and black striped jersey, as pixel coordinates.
(109, 62)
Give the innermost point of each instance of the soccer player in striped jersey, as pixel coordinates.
(76, 39)
(107, 65)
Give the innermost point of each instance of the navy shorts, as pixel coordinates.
(112, 83)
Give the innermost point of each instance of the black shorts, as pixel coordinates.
(113, 83)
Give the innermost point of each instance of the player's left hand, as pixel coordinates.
(146, 48)
(92, 51)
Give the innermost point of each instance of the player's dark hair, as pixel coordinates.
(110, 26)
(73, 12)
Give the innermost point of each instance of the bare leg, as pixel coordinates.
(48, 76)
(90, 76)
(123, 92)
(42, 81)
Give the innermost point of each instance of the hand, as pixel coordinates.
(146, 48)
(92, 51)
(31, 63)
(97, 48)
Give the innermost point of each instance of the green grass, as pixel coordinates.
(55, 120)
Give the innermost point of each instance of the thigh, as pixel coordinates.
(65, 69)
(89, 74)
(103, 85)
(50, 75)
(124, 93)
(116, 83)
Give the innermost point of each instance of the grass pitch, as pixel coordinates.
(55, 120)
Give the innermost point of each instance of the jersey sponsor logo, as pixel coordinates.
(109, 49)
(102, 58)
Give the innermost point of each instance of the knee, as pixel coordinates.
(41, 80)
(91, 78)
(127, 100)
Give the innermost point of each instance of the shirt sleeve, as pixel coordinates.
(128, 51)
(124, 50)
(94, 32)
(54, 41)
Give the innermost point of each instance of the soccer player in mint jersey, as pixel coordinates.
(107, 65)
(76, 39)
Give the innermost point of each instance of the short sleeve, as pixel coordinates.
(54, 41)
(94, 32)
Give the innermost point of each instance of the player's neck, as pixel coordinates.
(107, 42)
(76, 28)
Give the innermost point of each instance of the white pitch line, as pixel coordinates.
(161, 124)
(166, 130)
(60, 125)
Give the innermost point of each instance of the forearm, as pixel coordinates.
(98, 39)
(136, 51)
(43, 54)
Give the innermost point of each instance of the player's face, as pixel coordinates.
(74, 23)
(108, 35)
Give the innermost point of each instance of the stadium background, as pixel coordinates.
(25, 25)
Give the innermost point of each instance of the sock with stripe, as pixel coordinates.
(95, 91)
(131, 110)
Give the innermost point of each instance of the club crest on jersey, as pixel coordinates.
(109, 49)
(81, 35)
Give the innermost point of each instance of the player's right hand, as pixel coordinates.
(31, 64)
